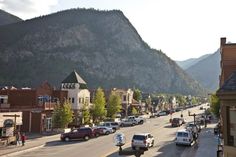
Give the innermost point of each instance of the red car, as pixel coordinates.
(82, 133)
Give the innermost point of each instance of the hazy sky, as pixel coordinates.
(180, 28)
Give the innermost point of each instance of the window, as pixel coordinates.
(72, 100)
(124, 97)
(48, 123)
(232, 126)
(3, 99)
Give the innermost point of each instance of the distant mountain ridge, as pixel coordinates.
(7, 18)
(102, 46)
(190, 62)
(207, 71)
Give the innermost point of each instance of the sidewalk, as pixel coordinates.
(208, 142)
(33, 142)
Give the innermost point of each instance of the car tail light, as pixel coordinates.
(144, 141)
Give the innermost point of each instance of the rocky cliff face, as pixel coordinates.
(102, 46)
(6, 18)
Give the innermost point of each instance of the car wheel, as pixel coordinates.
(107, 132)
(122, 125)
(97, 134)
(86, 137)
(114, 130)
(141, 122)
(67, 139)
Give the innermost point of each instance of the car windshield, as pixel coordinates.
(182, 134)
(139, 137)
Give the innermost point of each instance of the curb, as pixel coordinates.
(22, 151)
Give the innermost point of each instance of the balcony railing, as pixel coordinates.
(49, 105)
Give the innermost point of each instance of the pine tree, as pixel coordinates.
(99, 102)
(62, 115)
(86, 114)
(114, 105)
(137, 95)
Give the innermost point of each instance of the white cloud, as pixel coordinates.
(27, 8)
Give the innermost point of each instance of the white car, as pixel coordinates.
(184, 137)
(142, 141)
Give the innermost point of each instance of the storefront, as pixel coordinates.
(10, 122)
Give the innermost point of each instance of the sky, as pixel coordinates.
(182, 29)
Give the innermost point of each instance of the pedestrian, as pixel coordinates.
(23, 138)
(18, 138)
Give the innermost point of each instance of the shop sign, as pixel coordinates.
(8, 123)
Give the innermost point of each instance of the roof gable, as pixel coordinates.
(230, 84)
(74, 78)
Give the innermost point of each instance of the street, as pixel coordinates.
(103, 146)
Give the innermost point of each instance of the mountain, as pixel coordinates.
(207, 71)
(7, 18)
(102, 46)
(190, 62)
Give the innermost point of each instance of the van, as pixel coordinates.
(184, 137)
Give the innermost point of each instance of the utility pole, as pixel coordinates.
(194, 117)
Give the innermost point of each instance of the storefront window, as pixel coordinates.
(232, 126)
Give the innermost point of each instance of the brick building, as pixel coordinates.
(36, 105)
(227, 95)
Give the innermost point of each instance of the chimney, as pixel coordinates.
(222, 41)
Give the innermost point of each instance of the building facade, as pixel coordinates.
(36, 105)
(126, 99)
(227, 95)
(78, 94)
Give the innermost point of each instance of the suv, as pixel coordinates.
(114, 125)
(184, 137)
(143, 141)
(82, 133)
(176, 122)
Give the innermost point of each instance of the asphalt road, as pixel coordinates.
(103, 146)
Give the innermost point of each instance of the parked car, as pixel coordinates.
(162, 113)
(103, 130)
(139, 119)
(128, 122)
(184, 137)
(114, 125)
(82, 133)
(176, 122)
(154, 114)
(142, 141)
(193, 127)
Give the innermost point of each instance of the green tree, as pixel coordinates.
(62, 115)
(194, 101)
(137, 94)
(114, 105)
(181, 100)
(98, 110)
(215, 104)
(134, 111)
(86, 114)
